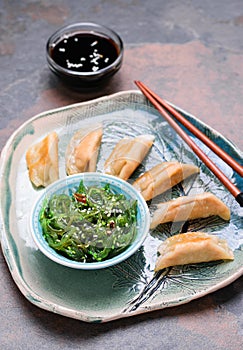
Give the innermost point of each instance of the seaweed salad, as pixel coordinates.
(91, 224)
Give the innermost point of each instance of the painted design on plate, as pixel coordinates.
(188, 279)
(130, 287)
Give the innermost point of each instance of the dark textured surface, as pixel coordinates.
(191, 52)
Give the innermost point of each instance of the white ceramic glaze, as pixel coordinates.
(130, 287)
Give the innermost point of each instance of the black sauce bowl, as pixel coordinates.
(90, 78)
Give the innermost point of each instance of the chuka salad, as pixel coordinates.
(92, 224)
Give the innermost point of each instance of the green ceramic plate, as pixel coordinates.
(130, 287)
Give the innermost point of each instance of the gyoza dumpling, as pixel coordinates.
(191, 248)
(42, 161)
(163, 177)
(189, 208)
(127, 155)
(82, 151)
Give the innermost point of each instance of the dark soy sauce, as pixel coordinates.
(84, 52)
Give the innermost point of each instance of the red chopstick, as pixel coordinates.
(162, 107)
(215, 148)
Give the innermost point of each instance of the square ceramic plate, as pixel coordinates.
(130, 287)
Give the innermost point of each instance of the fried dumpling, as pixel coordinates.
(42, 161)
(127, 155)
(189, 208)
(191, 248)
(163, 177)
(82, 150)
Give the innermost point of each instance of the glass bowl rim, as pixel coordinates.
(77, 27)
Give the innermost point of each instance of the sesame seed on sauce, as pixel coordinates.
(93, 50)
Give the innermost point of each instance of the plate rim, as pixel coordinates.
(6, 250)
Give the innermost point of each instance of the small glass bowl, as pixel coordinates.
(80, 78)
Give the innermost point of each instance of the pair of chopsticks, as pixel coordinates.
(163, 107)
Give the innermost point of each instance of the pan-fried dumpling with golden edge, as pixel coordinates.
(189, 208)
(42, 161)
(192, 248)
(163, 177)
(127, 155)
(82, 150)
